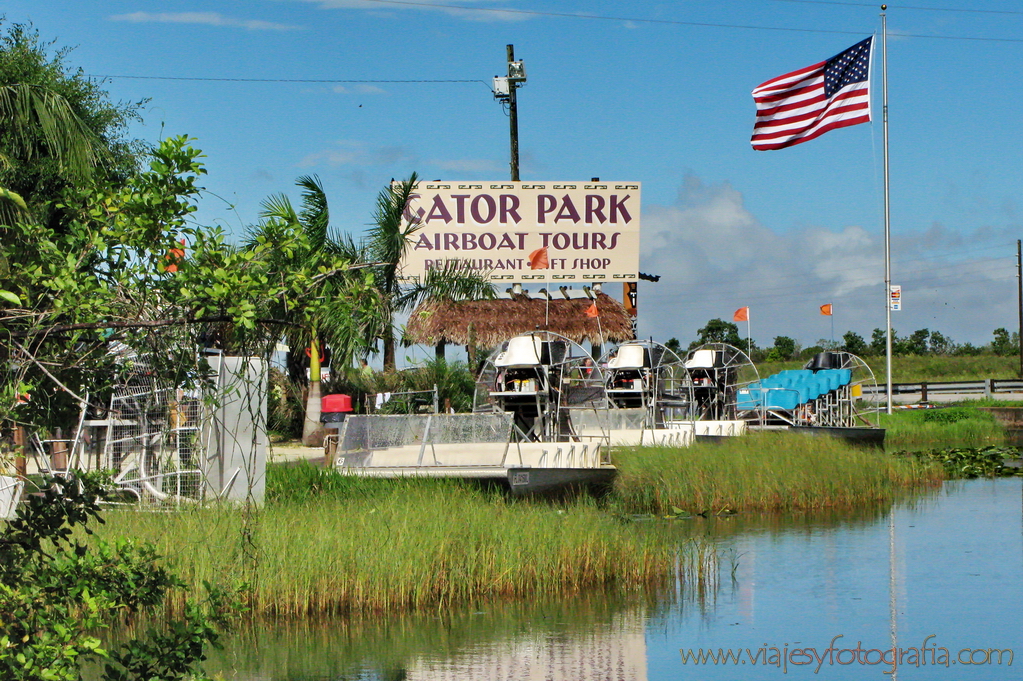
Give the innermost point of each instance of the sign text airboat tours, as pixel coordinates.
(527, 231)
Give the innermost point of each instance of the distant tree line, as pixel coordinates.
(920, 343)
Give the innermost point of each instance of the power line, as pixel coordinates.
(677, 22)
(904, 7)
(284, 80)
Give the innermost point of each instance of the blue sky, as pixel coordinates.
(656, 92)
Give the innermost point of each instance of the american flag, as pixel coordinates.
(807, 103)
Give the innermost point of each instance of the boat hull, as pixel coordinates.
(856, 435)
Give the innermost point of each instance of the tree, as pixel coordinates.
(941, 345)
(675, 345)
(879, 342)
(853, 342)
(390, 237)
(58, 595)
(341, 314)
(107, 278)
(1004, 344)
(784, 349)
(58, 129)
(915, 344)
(719, 331)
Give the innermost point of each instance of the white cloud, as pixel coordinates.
(355, 153)
(714, 256)
(202, 18)
(457, 8)
(359, 89)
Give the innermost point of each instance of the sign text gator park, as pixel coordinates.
(527, 231)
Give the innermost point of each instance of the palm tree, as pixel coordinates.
(341, 309)
(43, 123)
(390, 238)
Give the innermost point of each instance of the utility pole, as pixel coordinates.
(1019, 299)
(504, 90)
(513, 117)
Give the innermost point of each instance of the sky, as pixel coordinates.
(656, 92)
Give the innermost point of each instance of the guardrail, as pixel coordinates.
(985, 387)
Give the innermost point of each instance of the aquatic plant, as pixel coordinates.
(972, 462)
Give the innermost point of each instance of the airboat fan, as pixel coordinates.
(542, 378)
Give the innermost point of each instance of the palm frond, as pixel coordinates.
(31, 112)
(453, 282)
(278, 206)
(12, 207)
(314, 216)
(390, 235)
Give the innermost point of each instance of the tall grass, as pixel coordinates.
(962, 425)
(914, 369)
(410, 545)
(771, 471)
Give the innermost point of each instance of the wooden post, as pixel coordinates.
(923, 392)
(20, 469)
(58, 452)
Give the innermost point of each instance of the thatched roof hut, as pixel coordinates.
(486, 323)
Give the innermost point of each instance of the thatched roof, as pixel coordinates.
(495, 321)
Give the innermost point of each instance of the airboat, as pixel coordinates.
(822, 398)
(167, 445)
(530, 397)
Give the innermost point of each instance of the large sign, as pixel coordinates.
(527, 231)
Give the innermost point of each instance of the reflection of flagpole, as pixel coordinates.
(893, 610)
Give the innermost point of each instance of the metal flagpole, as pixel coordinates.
(887, 215)
(749, 337)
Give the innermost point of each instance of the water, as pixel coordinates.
(948, 566)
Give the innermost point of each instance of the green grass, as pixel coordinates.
(774, 471)
(329, 544)
(960, 425)
(917, 369)
(375, 546)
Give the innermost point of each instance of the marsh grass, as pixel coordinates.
(962, 425)
(773, 471)
(374, 546)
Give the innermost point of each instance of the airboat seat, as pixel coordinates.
(705, 359)
(630, 357)
(522, 351)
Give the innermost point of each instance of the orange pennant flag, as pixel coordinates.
(826, 310)
(538, 259)
(741, 315)
(173, 257)
(592, 311)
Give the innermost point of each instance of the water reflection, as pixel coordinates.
(585, 638)
(949, 564)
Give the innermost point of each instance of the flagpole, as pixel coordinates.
(832, 315)
(887, 214)
(749, 337)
